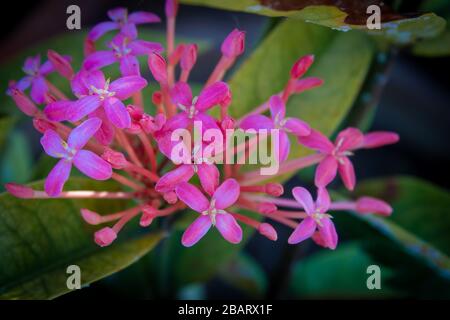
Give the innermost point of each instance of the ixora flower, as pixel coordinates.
(212, 213)
(111, 125)
(72, 153)
(337, 154)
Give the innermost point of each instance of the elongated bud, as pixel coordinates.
(104, 237)
(267, 208)
(301, 66)
(366, 205)
(234, 44)
(23, 102)
(19, 191)
(189, 57)
(177, 53)
(89, 47)
(158, 67)
(268, 231)
(171, 8)
(148, 214)
(116, 159)
(226, 101)
(227, 123)
(157, 98)
(274, 189)
(306, 84)
(379, 138)
(61, 64)
(42, 125)
(170, 197)
(91, 217)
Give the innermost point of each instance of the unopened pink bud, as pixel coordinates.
(171, 8)
(157, 98)
(148, 214)
(24, 103)
(379, 138)
(19, 191)
(42, 125)
(268, 231)
(189, 57)
(116, 159)
(301, 66)
(89, 47)
(176, 54)
(61, 64)
(91, 217)
(306, 84)
(267, 208)
(227, 123)
(105, 236)
(170, 197)
(226, 101)
(234, 44)
(158, 67)
(274, 189)
(365, 205)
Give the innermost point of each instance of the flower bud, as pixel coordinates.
(42, 125)
(91, 217)
(116, 159)
(227, 123)
(267, 208)
(19, 191)
(158, 67)
(268, 231)
(274, 189)
(61, 64)
(148, 214)
(301, 66)
(379, 138)
(105, 236)
(306, 84)
(170, 197)
(176, 54)
(234, 44)
(171, 8)
(157, 98)
(23, 102)
(189, 57)
(365, 205)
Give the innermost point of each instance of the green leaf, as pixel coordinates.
(16, 160)
(337, 62)
(6, 124)
(39, 239)
(340, 15)
(338, 274)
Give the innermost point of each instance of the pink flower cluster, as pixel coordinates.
(106, 132)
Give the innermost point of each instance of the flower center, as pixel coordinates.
(318, 216)
(212, 211)
(340, 154)
(103, 93)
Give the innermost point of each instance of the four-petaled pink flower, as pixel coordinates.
(317, 219)
(125, 52)
(122, 21)
(336, 155)
(278, 121)
(212, 212)
(72, 153)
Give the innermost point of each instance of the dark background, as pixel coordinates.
(414, 102)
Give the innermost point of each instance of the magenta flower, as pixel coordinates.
(124, 52)
(95, 92)
(317, 219)
(337, 154)
(212, 212)
(122, 21)
(71, 153)
(279, 121)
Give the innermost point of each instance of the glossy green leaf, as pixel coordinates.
(16, 160)
(341, 15)
(6, 124)
(338, 274)
(39, 239)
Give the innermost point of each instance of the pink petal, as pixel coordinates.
(53, 145)
(125, 87)
(80, 136)
(297, 127)
(317, 141)
(104, 135)
(24, 103)
(209, 177)
(234, 44)
(32, 64)
(171, 179)
(83, 81)
(326, 172)
(328, 233)
(143, 17)
(117, 113)
(277, 107)
(178, 121)
(323, 200)
(229, 228)
(347, 173)
(56, 179)
(129, 66)
(284, 146)
(117, 14)
(60, 63)
(39, 90)
(158, 67)
(365, 205)
(256, 122)
(24, 83)
(226, 194)
(191, 196)
(212, 95)
(268, 231)
(99, 59)
(100, 29)
(104, 237)
(142, 47)
(207, 121)
(92, 165)
(57, 111)
(379, 138)
(304, 198)
(128, 30)
(83, 107)
(189, 57)
(303, 231)
(349, 139)
(196, 231)
(46, 68)
(181, 94)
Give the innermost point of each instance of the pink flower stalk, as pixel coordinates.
(72, 153)
(337, 154)
(317, 219)
(279, 121)
(109, 126)
(212, 212)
